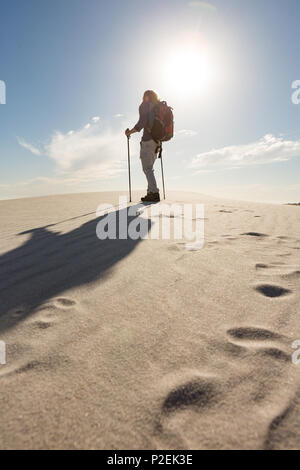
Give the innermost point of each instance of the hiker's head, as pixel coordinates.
(151, 96)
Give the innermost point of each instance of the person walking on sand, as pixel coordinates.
(149, 147)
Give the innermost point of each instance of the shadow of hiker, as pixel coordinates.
(50, 263)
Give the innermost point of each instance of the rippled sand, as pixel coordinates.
(146, 344)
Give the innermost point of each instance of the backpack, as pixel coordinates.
(163, 124)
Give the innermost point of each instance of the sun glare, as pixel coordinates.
(189, 71)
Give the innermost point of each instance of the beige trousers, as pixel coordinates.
(148, 157)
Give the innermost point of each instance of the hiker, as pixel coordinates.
(149, 147)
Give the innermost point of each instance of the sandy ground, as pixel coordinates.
(124, 344)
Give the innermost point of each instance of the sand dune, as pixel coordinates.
(145, 344)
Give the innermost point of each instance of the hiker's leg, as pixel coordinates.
(148, 157)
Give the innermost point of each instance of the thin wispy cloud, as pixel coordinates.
(187, 132)
(202, 5)
(118, 115)
(267, 150)
(28, 146)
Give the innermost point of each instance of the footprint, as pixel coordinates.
(63, 302)
(173, 248)
(272, 291)
(275, 426)
(277, 354)
(46, 307)
(254, 234)
(196, 246)
(49, 363)
(193, 395)
(19, 369)
(248, 379)
(261, 266)
(28, 367)
(261, 335)
(18, 313)
(252, 333)
(198, 392)
(47, 311)
(42, 325)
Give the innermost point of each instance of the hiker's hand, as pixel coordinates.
(128, 132)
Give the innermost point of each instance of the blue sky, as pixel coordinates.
(75, 72)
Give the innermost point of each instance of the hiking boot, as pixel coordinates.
(151, 197)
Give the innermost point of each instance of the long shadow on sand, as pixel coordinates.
(49, 263)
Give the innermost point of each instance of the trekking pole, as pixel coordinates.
(162, 171)
(129, 173)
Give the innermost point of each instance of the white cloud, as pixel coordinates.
(266, 150)
(91, 152)
(118, 115)
(29, 147)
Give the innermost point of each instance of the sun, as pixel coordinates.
(189, 71)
